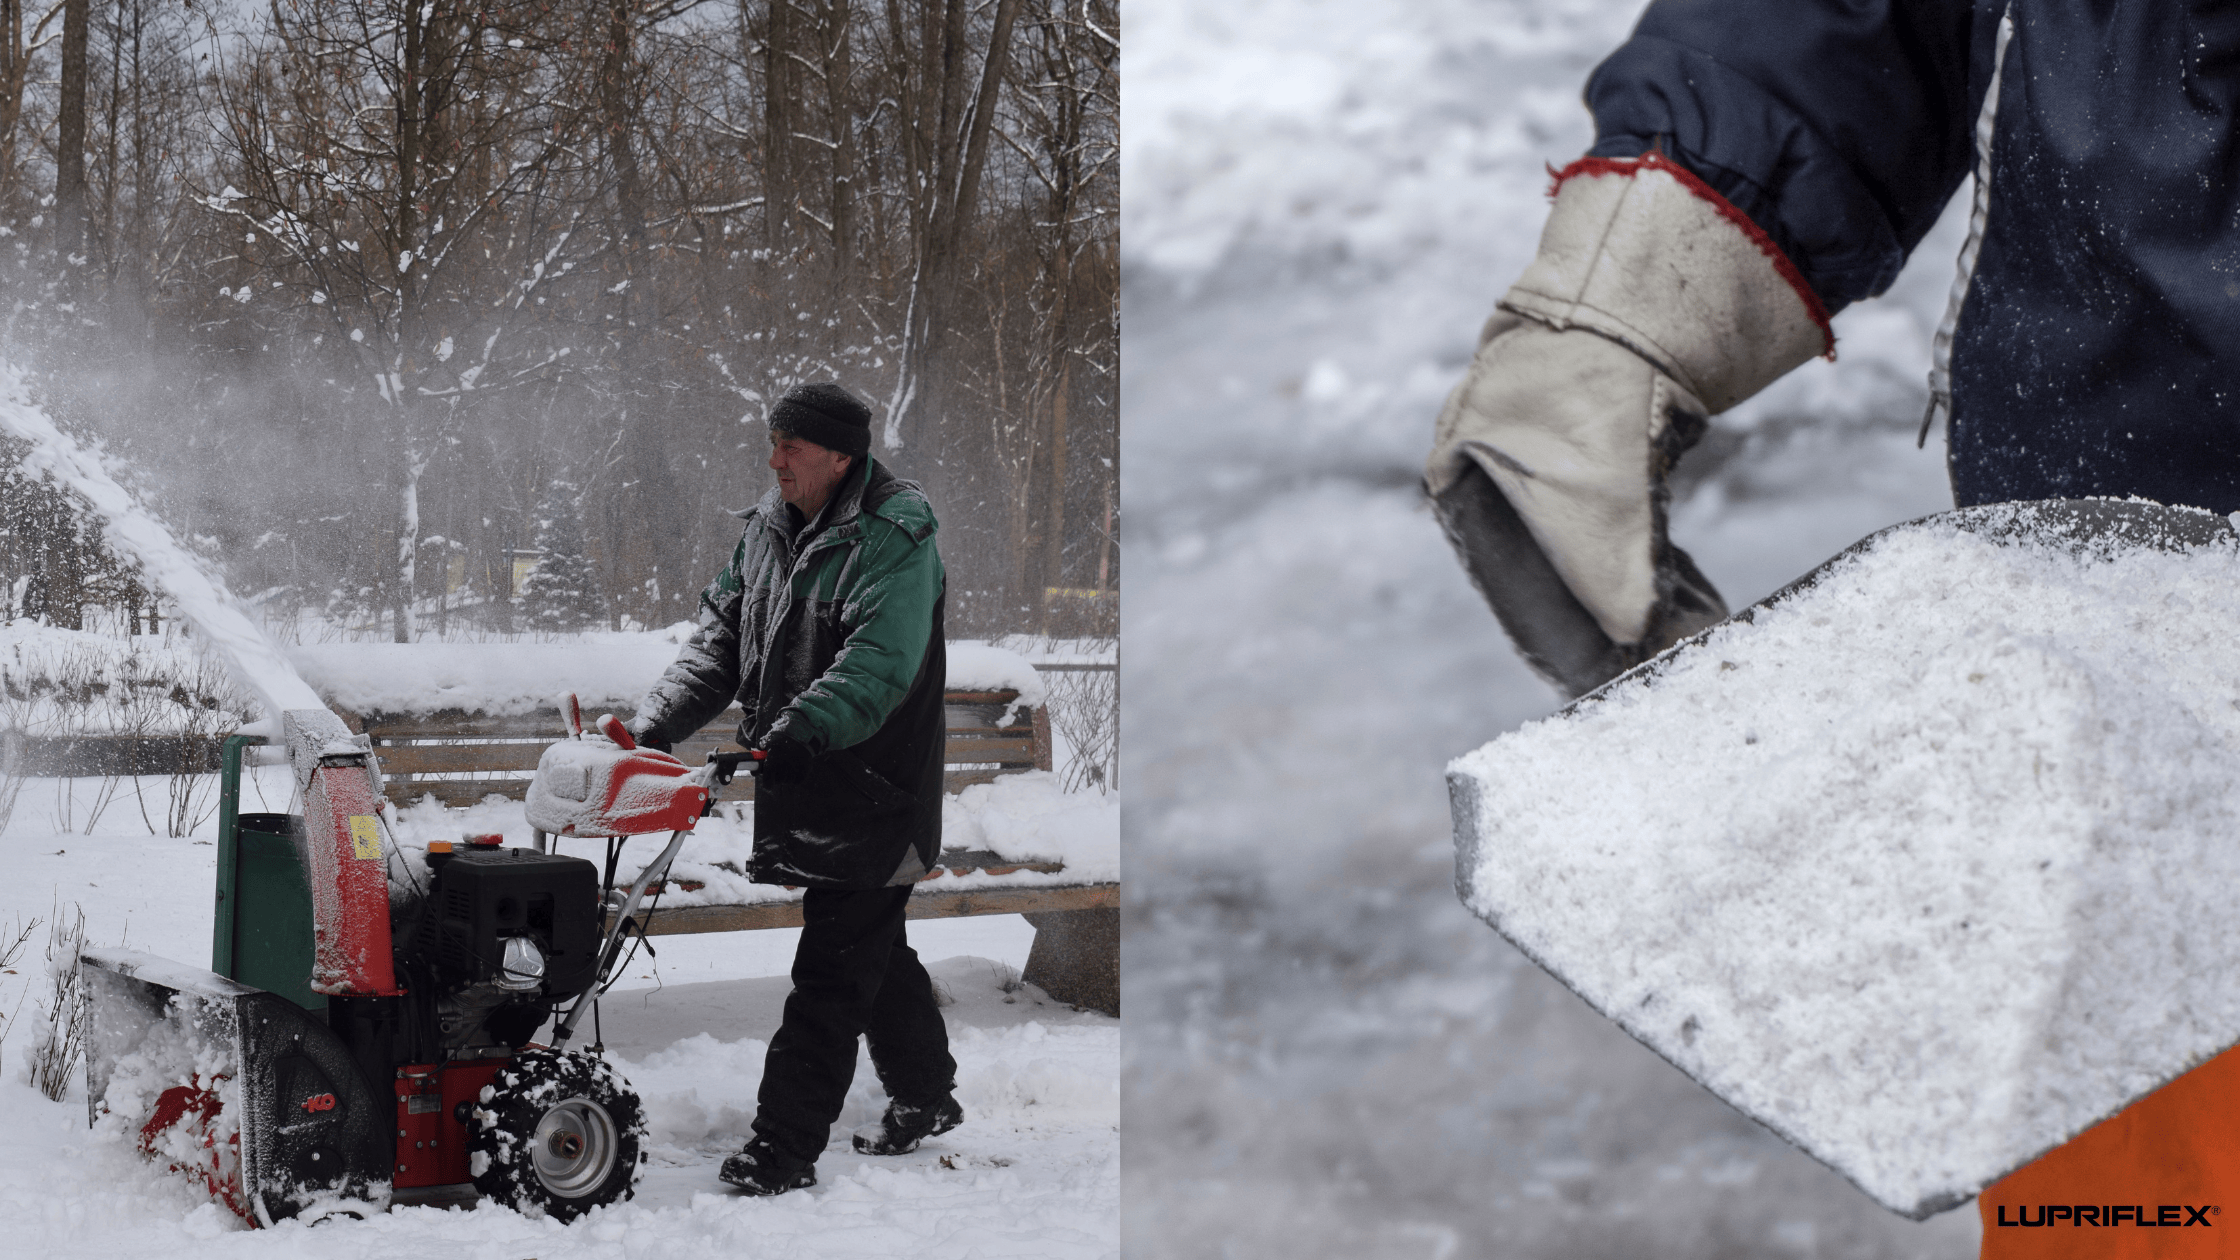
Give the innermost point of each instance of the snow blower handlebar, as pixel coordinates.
(720, 769)
(724, 766)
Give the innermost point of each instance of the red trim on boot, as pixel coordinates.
(1727, 210)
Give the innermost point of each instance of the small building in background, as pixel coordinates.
(524, 559)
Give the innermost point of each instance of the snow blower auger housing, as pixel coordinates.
(364, 1034)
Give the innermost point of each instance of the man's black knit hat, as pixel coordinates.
(827, 415)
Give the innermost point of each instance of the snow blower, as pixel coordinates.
(364, 1035)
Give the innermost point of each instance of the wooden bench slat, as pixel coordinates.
(1017, 752)
(457, 793)
(414, 746)
(1004, 697)
(457, 754)
(419, 759)
(453, 758)
(452, 724)
(925, 903)
(464, 792)
(545, 723)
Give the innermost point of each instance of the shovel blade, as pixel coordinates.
(1942, 918)
(236, 1088)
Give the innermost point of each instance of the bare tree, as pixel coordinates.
(70, 139)
(948, 109)
(381, 143)
(363, 277)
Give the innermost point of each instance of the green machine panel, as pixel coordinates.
(272, 910)
(261, 934)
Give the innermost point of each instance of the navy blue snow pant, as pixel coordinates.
(854, 975)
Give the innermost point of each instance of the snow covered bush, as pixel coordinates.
(55, 681)
(13, 940)
(64, 1018)
(124, 704)
(1084, 709)
(190, 794)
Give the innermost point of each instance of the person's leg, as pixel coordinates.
(909, 1040)
(910, 1051)
(839, 970)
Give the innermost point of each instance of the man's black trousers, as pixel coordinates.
(854, 975)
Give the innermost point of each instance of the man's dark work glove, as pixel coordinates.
(638, 727)
(788, 759)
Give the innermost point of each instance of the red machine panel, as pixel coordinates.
(349, 884)
(431, 1139)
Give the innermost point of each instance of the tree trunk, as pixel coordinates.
(405, 251)
(778, 127)
(958, 157)
(408, 546)
(617, 118)
(15, 65)
(838, 67)
(1054, 559)
(70, 137)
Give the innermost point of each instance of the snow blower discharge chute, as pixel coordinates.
(365, 1033)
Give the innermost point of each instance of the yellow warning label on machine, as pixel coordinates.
(365, 836)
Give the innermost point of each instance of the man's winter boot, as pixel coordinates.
(763, 1169)
(907, 1124)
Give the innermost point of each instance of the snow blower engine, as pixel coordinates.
(365, 1035)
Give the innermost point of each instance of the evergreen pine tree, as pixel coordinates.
(53, 562)
(561, 592)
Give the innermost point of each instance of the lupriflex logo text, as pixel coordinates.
(2175, 1215)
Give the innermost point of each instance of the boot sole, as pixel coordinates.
(864, 1147)
(763, 1189)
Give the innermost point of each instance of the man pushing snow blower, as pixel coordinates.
(826, 626)
(1759, 165)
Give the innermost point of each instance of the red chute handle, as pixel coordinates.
(572, 712)
(611, 727)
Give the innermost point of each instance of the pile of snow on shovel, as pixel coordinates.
(1928, 865)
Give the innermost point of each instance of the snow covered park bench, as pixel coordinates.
(455, 725)
(459, 758)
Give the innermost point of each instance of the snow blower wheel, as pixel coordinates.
(557, 1135)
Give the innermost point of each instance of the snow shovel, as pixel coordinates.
(1930, 914)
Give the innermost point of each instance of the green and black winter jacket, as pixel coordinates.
(839, 644)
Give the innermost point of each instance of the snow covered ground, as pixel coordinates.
(1035, 1171)
(1327, 1055)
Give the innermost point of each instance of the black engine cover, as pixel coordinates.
(482, 896)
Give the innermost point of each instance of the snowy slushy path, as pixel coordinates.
(1326, 1055)
(1035, 1170)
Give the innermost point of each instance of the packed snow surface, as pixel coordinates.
(1926, 865)
(134, 533)
(609, 669)
(1033, 1171)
